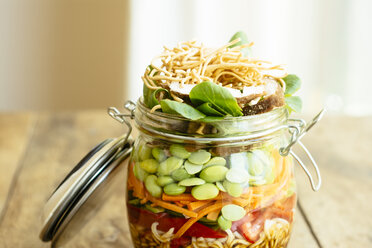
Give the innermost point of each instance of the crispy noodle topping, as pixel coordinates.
(192, 63)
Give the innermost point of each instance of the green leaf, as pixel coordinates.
(187, 111)
(247, 51)
(147, 96)
(219, 98)
(153, 101)
(293, 103)
(293, 84)
(208, 109)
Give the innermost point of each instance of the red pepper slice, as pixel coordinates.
(253, 223)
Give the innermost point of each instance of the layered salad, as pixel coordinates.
(187, 194)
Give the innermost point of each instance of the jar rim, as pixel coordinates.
(229, 129)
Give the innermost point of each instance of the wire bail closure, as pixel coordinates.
(297, 132)
(123, 118)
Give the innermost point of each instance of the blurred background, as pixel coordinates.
(85, 54)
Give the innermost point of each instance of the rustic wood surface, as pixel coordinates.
(37, 150)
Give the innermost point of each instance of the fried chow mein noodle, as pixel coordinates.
(192, 63)
(275, 234)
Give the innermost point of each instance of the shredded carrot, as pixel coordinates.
(172, 207)
(181, 197)
(201, 214)
(197, 204)
(179, 204)
(185, 202)
(241, 202)
(213, 215)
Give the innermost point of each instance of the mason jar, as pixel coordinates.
(224, 183)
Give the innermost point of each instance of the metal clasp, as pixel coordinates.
(297, 132)
(123, 118)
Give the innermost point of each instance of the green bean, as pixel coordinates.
(179, 151)
(155, 210)
(234, 189)
(199, 157)
(180, 174)
(216, 161)
(204, 191)
(223, 223)
(144, 152)
(191, 181)
(213, 173)
(135, 201)
(158, 154)
(149, 165)
(164, 180)
(140, 173)
(152, 187)
(169, 165)
(174, 189)
(192, 168)
(233, 212)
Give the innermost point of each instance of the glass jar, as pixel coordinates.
(222, 183)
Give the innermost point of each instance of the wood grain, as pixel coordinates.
(57, 144)
(15, 130)
(340, 214)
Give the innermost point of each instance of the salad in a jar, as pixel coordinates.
(223, 194)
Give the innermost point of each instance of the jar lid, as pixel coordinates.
(83, 190)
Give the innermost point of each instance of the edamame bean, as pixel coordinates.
(199, 157)
(158, 154)
(149, 165)
(205, 191)
(223, 223)
(258, 160)
(179, 151)
(216, 161)
(238, 161)
(138, 172)
(233, 212)
(237, 175)
(234, 189)
(192, 168)
(144, 152)
(169, 165)
(220, 186)
(191, 181)
(270, 176)
(174, 189)
(213, 173)
(152, 187)
(164, 180)
(256, 169)
(180, 174)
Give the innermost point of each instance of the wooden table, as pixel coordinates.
(37, 150)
